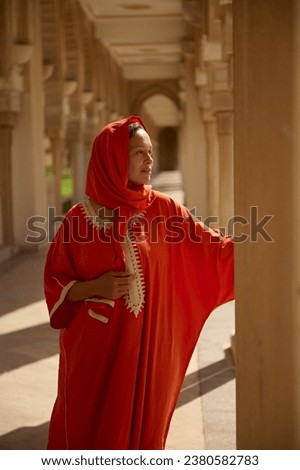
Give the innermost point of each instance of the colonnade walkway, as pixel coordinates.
(205, 413)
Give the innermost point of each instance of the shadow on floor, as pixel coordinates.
(27, 438)
(195, 385)
(21, 281)
(204, 380)
(27, 346)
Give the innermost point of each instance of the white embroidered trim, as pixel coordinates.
(92, 217)
(135, 298)
(62, 297)
(98, 316)
(103, 301)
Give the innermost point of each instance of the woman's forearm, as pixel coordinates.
(82, 290)
(110, 285)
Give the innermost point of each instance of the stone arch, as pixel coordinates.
(166, 132)
(150, 90)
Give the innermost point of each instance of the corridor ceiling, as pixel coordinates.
(145, 37)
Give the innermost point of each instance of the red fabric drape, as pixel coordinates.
(119, 378)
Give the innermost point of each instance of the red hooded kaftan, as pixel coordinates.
(122, 362)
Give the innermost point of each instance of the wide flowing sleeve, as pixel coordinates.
(219, 251)
(202, 265)
(59, 276)
(208, 263)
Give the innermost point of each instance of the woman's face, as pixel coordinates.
(140, 158)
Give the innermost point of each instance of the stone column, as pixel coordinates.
(57, 146)
(212, 147)
(7, 123)
(12, 58)
(295, 287)
(212, 144)
(78, 169)
(55, 128)
(193, 164)
(28, 163)
(213, 78)
(96, 120)
(267, 90)
(77, 123)
(58, 95)
(217, 114)
(225, 134)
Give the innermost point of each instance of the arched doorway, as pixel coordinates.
(163, 112)
(160, 111)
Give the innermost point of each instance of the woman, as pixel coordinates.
(130, 279)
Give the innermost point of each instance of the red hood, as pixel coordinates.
(107, 174)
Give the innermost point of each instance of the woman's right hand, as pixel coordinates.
(111, 285)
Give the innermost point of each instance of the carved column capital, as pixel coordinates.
(219, 76)
(56, 109)
(210, 50)
(11, 88)
(194, 12)
(21, 53)
(8, 118)
(82, 109)
(225, 123)
(221, 101)
(12, 85)
(69, 87)
(48, 70)
(224, 15)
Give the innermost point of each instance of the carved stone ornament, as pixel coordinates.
(194, 12)
(21, 53)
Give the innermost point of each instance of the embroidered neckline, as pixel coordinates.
(135, 299)
(92, 217)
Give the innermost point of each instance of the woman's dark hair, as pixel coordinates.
(133, 128)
